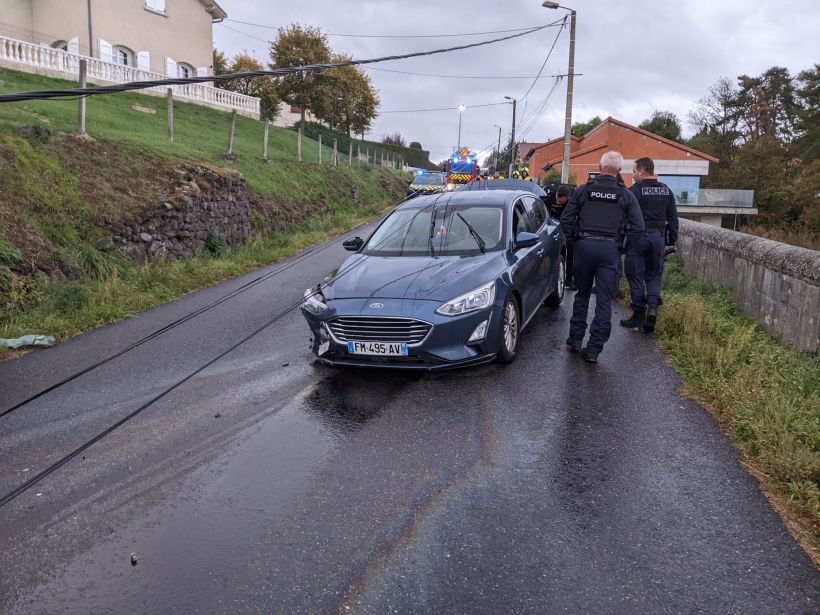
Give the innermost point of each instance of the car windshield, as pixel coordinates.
(419, 231)
(428, 180)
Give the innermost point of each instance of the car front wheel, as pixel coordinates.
(510, 330)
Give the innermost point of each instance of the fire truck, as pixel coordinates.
(461, 168)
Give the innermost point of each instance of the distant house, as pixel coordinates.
(679, 166)
(124, 40)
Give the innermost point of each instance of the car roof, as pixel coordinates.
(489, 198)
(504, 184)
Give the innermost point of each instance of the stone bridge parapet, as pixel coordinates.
(776, 284)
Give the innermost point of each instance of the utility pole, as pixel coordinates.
(570, 74)
(90, 31)
(512, 151)
(497, 149)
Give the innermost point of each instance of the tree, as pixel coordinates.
(393, 139)
(807, 122)
(345, 98)
(415, 145)
(767, 104)
(263, 88)
(220, 65)
(579, 129)
(665, 124)
(296, 45)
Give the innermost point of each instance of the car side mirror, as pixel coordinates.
(353, 245)
(525, 240)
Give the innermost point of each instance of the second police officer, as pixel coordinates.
(598, 217)
(644, 258)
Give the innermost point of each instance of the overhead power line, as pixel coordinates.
(407, 72)
(140, 85)
(446, 35)
(549, 53)
(444, 108)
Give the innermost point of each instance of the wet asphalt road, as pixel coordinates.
(549, 485)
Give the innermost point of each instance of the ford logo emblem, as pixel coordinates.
(376, 306)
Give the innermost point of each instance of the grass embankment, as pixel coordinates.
(766, 396)
(56, 191)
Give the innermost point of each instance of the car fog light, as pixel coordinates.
(480, 332)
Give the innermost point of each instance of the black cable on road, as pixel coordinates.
(141, 85)
(172, 325)
(16, 492)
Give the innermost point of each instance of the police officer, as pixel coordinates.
(598, 218)
(644, 257)
(562, 195)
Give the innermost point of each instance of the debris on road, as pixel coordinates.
(26, 340)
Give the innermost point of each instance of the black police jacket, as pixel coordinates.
(600, 207)
(658, 207)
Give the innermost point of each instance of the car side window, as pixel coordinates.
(536, 211)
(521, 221)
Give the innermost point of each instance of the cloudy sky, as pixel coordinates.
(641, 56)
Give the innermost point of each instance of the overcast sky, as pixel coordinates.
(642, 56)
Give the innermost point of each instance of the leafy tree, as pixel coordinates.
(296, 45)
(665, 124)
(263, 88)
(768, 104)
(220, 65)
(579, 129)
(808, 114)
(345, 98)
(415, 145)
(394, 139)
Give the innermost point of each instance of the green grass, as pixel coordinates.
(200, 133)
(766, 395)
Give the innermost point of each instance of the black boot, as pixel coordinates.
(574, 345)
(590, 355)
(651, 318)
(636, 320)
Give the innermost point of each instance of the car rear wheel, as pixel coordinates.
(557, 296)
(510, 330)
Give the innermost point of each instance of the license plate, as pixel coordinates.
(377, 348)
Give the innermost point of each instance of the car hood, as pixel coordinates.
(413, 277)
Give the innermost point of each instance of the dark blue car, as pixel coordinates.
(444, 281)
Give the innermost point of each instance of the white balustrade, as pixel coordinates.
(59, 61)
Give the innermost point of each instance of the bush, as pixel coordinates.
(215, 244)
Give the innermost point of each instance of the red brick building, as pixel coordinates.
(678, 166)
(684, 164)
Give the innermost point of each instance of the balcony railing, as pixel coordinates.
(712, 197)
(30, 56)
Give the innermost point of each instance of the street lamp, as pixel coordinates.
(460, 109)
(497, 149)
(570, 74)
(512, 154)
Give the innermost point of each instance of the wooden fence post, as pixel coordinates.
(265, 141)
(233, 130)
(81, 111)
(335, 153)
(170, 105)
(299, 143)
(349, 153)
(320, 148)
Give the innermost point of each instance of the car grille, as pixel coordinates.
(373, 329)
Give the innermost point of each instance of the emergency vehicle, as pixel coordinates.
(461, 168)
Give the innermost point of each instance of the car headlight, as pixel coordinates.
(314, 301)
(477, 299)
(451, 187)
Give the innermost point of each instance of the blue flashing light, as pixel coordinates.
(419, 172)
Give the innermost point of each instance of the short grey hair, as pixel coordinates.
(612, 161)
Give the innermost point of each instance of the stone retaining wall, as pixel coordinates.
(776, 284)
(205, 204)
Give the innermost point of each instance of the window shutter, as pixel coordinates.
(202, 71)
(74, 46)
(170, 68)
(144, 61)
(106, 51)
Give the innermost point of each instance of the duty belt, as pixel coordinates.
(598, 237)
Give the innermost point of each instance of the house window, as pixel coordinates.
(158, 6)
(123, 56)
(185, 70)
